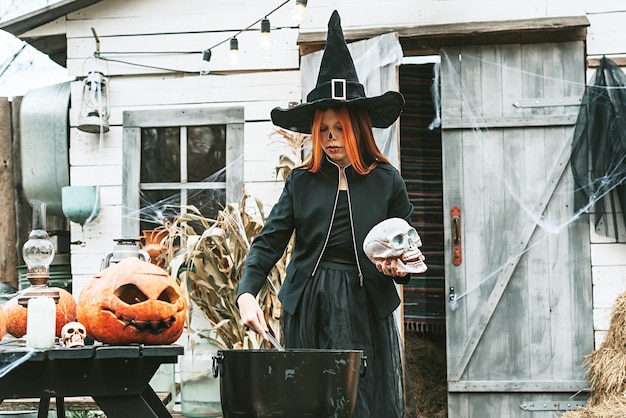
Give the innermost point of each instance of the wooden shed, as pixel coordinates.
(519, 281)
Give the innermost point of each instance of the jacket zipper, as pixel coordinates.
(356, 254)
(332, 218)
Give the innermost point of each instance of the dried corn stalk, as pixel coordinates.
(209, 269)
(297, 143)
(208, 266)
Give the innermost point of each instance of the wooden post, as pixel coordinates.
(8, 235)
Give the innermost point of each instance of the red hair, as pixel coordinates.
(358, 140)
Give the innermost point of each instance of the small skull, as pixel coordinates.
(73, 334)
(395, 238)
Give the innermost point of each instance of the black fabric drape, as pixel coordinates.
(599, 146)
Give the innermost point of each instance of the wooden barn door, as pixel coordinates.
(517, 259)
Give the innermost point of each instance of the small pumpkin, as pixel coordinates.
(132, 301)
(17, 315)
(3, 324)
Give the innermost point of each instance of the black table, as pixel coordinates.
(116, 377)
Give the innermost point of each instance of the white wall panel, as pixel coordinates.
(359, 14)
(172, 53)
(605, 31)
(608, 254)
(261, 142)
(604, 6)
(608, 282)
(114, 17)
(210, 89)
(88, 149)
(266, 192)
(104, 175)
(253, 111)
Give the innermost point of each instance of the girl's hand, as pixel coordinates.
(389, 267)
(252, 315)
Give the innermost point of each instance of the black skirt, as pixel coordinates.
(335, 313)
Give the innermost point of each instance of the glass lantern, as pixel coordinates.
(38, 253)
(94, 109)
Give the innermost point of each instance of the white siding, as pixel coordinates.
(608, 259)
(411, 13)
(608, 282)
(606, 29)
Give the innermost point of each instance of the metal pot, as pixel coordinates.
(288, 384)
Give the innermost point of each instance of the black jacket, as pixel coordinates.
(306, 205)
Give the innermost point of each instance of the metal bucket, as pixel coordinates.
(288, 384)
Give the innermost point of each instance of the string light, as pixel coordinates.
(208, 53)
(297, 15)
(234, 50)
(265, 33)
(298, 11)
(234, 44)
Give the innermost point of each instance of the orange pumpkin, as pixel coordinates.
(132, 301)
(17, 315)
(3, 324)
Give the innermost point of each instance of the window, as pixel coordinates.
(176, 158)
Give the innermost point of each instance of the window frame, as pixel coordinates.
(135, 120)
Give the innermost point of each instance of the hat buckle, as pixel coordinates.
(338, 89)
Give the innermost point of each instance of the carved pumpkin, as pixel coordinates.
(17, 315)
(132, 301)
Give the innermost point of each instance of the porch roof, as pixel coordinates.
(55, 46)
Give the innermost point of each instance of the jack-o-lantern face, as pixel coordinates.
(132, 301)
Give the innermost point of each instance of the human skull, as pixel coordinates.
(73, 334)
(395, 238)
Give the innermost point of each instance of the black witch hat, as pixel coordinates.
(337, 85)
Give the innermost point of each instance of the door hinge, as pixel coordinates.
(548, 102)
(552, 405)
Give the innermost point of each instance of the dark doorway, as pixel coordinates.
(420, 164)
(424, 295)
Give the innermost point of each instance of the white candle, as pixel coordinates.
(41, 322)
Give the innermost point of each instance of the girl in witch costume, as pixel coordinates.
(333, 297)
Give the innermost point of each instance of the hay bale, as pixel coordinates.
(606, 366)
(606, 370)
(616, 336)
(610, 405)
(425, 362)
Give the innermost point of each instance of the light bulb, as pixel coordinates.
(265, 40)
(234, 57)
(234, 51)
(299, 11)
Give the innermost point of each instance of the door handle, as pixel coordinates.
(457, 245)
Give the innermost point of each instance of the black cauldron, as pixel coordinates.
(288, 384)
